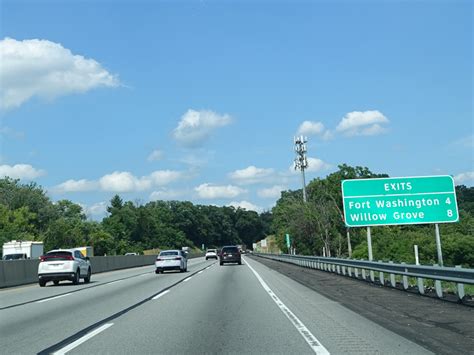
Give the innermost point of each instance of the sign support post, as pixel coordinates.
(438, 246)
(369, 244)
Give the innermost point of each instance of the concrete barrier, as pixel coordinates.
(22, 272)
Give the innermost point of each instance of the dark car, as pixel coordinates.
(230, 254)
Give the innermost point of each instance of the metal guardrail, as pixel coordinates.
(358, 269)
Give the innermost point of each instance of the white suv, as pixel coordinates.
(211, 253)
(63, 264)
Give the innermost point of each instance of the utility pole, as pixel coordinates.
(301, 162)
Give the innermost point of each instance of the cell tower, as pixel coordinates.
(301, 162)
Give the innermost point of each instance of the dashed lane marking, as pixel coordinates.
(83, 339)
(53, 298)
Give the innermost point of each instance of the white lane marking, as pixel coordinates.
(186, 280)
(160, 295)
(200, 272)
(83, 339)
(114, 282)
(53, 298)
(314, 343)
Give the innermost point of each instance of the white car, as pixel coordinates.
(63, 264)
(211, 253)
(171, 260)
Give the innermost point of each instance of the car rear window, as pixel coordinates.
(168, 253)
(58, 255)
(230, 250)
(211, 250)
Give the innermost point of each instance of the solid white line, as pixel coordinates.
(114, 282)
(186, 280)
(83, 339)
(315, 345)
(200, 272)
(53, 298)
(160, 294)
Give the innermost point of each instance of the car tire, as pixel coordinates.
(87, 279)
(221, 263)
(56, 282)
(42, 283)
(157, 271)
(207, 259)
(240, 263)
(77, 275)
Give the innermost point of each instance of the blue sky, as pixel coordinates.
(200, 100)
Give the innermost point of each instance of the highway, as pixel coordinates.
(211, 309)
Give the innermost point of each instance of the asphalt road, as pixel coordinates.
(211, 309)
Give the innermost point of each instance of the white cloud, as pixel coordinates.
(251, 175)
(367, 123)
(20, 171)
(196, 126)
(123, 181)
(309, 128)
(47, 70)
(76, 186)
(166, 194)
(245, 205)
(97, 209)
(271, 192)
(155, 155)
(208, 191)
(466, 178)
(317, 165)
(164, 177)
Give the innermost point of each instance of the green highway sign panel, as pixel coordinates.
(403, 200)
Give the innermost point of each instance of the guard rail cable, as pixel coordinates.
(358, 269)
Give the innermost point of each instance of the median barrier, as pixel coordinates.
(22, 272)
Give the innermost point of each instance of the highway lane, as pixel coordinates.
(216, 309)
(52, 314)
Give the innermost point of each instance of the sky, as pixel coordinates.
(201, 100)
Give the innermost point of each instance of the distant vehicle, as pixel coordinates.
(85, 251)
(131, 254)
(171, 260)
(15, 257)
(31, 249)
(211, 254)
(230, 254)
(64, 264)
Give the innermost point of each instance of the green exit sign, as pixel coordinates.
(404, 200)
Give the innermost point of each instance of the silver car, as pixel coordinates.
(171, 260)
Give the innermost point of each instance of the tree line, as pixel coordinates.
(316, 227)
(27, 213)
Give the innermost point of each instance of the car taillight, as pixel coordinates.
(42, 258)
(69, 257)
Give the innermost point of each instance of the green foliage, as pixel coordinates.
(319, 224)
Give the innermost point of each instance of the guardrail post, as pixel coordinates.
(356, 272)
(333, 267)
(349, 271)
(363, 272)
(344, 270)
(338, 268)
(438, 287)
(405, 280)
(381, 278)
(460, 287)
(393, 283)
